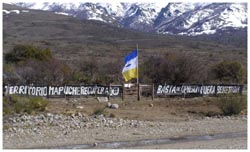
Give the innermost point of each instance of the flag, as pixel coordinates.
(130, 69)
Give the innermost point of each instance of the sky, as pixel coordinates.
(114, 1)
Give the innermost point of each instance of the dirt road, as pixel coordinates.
(131, 122)
(231, 143)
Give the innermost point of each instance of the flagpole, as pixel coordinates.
(138, 85)
(137, 63)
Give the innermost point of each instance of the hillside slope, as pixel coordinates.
(181, 18)
(73, 39)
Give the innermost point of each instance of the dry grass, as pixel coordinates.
(158, 109)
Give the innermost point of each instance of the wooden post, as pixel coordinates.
(215, 90)
(80, 91)
(47, 91)
(153, 91)
(123, 92)
(109, 92)
(241, 89)
(138, 91)
(8, 90)
(65, 96)
(95, 92)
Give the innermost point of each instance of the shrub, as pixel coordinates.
(29, 64)
(17, 104)
(112, 115)
(227, 71)
(232, 104)
(25, 52)
(99, 111)
(172, 68)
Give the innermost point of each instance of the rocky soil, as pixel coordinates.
(49, 130)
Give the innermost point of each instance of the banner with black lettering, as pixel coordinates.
(50, 91)
(197, 89)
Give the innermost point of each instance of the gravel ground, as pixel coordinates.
(54, 130)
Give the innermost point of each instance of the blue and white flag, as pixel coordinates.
(130, 69)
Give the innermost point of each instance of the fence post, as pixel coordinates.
(95, 91)
(241, 89)
(184, 94)
(138, 91)
(153, 91)
(47, 91)
(7, 91)
(216, 86)
(65, 96)
(123, 92)
(80, 91)
(109, 91)
(29, 93)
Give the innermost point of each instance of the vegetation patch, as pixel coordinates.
(18, 104)
(99, 111)
(24, 52)
(227, 71)
(232, 104)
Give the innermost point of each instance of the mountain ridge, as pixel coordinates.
(173, 18)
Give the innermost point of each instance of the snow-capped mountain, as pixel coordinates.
(204, 19)
(165, 18)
